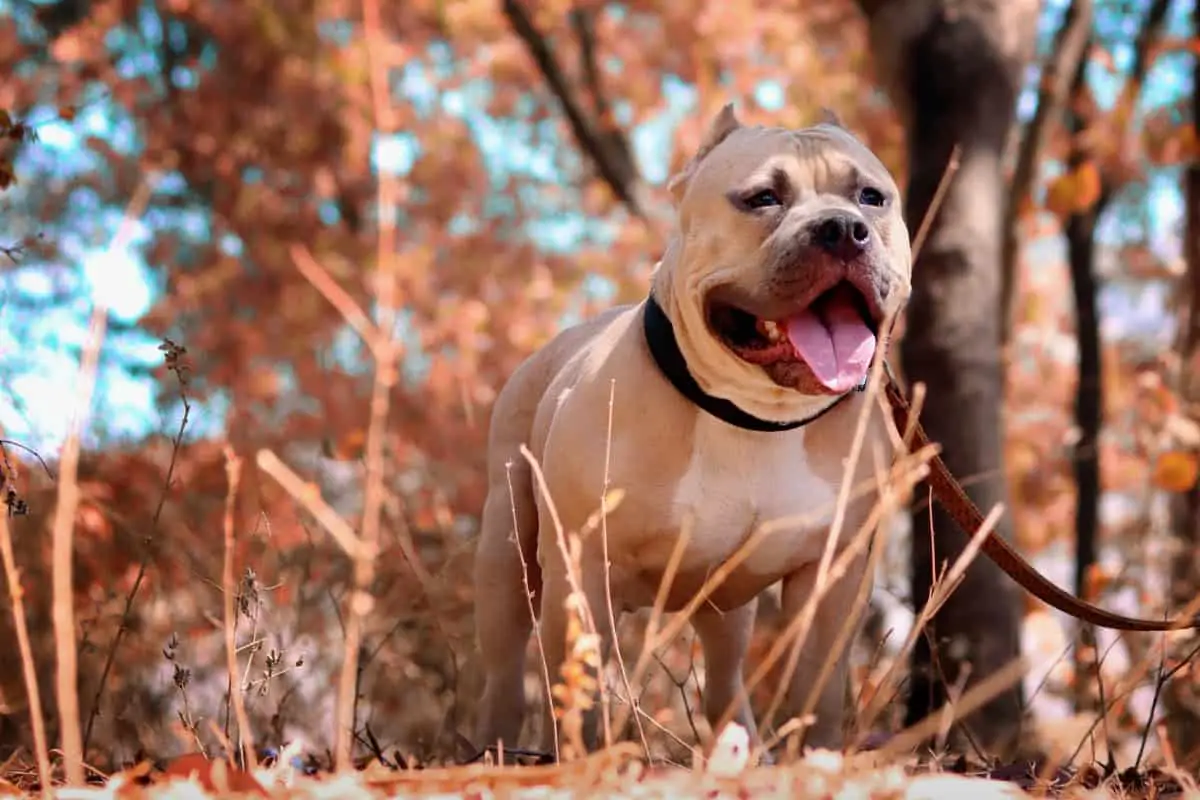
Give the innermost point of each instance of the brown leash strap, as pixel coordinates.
(962, 509)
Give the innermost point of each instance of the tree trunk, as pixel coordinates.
(955, 70)
(1182, 696)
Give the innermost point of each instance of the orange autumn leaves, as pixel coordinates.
(1075, 191)
(1176, 471)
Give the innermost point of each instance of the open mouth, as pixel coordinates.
(830, 342)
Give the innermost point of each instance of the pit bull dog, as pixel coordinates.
(734, 400)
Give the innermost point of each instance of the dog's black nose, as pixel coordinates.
(841, 235)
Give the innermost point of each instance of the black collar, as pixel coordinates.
(660, 336)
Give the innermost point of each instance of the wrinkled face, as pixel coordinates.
(794, 248)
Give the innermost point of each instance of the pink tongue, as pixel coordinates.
(834, 342)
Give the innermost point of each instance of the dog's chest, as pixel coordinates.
(735, 483)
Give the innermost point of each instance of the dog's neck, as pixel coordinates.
(664, 348)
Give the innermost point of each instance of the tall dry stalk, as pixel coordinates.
(386, 374)
(66, 678)
(568, 547)
(939, 593)
(16, 594)
(612, 614)
(833, 536)
(537, 630)
(233, 470)
(63, 605)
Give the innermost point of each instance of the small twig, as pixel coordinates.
(1158, 687)
(1046, 678)
(1111, 765)
(13, 252)
(338, 297)
(939, 592)
(143, 565)
(977, 696)
(31, 451)
(939, 195)
(681, 686)
(308, 496)
(1132, 685)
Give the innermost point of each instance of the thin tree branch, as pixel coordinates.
(612, 161)
(1067, 52)
(1081, 249)
(1143, 58)
(584, 25)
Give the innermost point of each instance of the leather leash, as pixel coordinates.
(951, 496)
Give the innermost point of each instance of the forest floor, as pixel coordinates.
(617, 772)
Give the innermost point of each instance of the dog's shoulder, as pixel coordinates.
(540, 368)
(540, 376)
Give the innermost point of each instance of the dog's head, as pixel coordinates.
(791, 250)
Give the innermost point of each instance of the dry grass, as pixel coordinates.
(622, 769)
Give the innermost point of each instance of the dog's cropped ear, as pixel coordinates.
(725, 123)
(830, 117)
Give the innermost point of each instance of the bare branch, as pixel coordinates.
(1080, 231)
(609, 153)
(1131, 92)
(1070, 45)
(1143, 50)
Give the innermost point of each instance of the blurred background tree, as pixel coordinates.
(530, 143)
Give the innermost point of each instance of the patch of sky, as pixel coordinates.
(416, 360)
(770, 95)
(117, 278)
(462, 224)
(327, 210)
(338, 31)
(597, 289)
(394, 153)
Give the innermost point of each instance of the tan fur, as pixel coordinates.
(674, 460)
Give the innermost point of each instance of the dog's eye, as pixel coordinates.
(764, 199)
(870, 196)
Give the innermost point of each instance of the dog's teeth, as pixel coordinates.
(771, 330)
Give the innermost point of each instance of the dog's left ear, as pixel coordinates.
(725, 123)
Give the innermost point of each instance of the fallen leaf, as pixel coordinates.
(1176, 471)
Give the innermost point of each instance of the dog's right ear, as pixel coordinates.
(725, 123)
(829, 117)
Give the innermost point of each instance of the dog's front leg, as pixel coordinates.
(828, 730)
(725, 638)
(554, 619)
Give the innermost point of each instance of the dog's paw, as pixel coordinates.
(731, 752)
